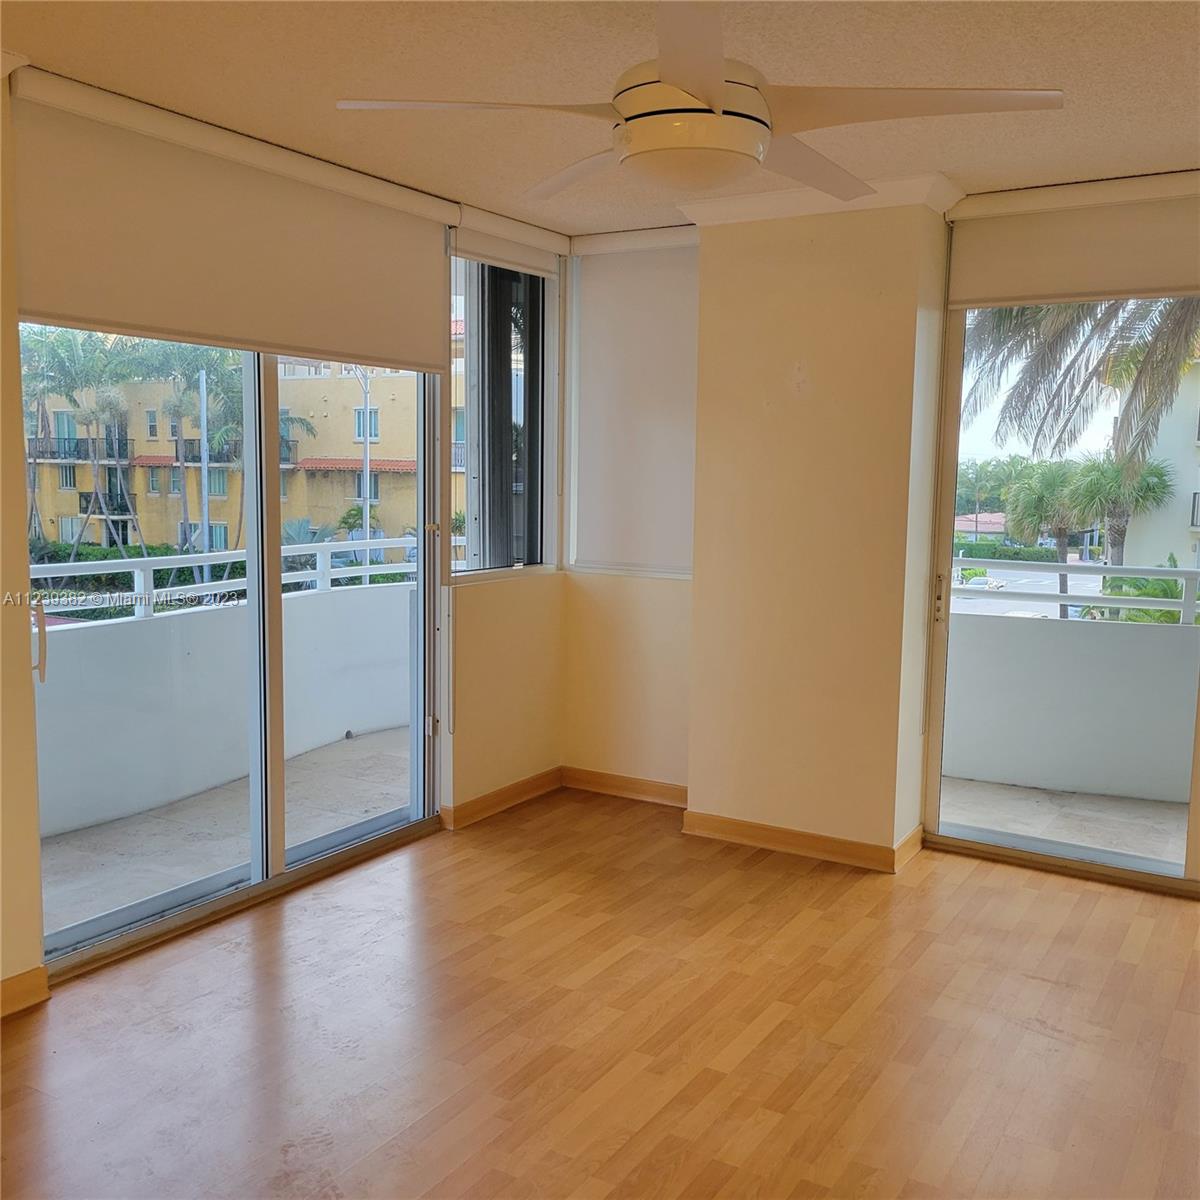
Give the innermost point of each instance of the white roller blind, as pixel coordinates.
(121, 230)
(635, 410)
(1147, 248)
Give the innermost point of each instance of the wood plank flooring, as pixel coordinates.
(574, 1000)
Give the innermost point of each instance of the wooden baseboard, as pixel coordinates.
(19, 992)
(908, 847)
(459, 816)
(674, 794)
(796, 841)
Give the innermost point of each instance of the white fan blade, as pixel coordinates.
(555, 183)
(787, 156)
(794, 109)
(604, 112)
(690, 56)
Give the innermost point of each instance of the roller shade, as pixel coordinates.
(1147, 248)
(486, 237)
(130, 232)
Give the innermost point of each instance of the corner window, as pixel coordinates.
(497, 404)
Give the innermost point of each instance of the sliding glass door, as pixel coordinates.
(1067, 608)
(352, 516)
(147, 717)
(229, 561)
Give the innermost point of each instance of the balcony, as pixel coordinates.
(79, 449)
(458, 456)
(230, 452)
(118, 506)
(288, 451)
(1072, 736)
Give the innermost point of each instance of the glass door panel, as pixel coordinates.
(351, 512)
(145, 722)
(1073, 650)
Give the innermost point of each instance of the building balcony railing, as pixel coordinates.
(458, 456)
(118, 506)
(287, 451)
(79, 449)
(230, 452)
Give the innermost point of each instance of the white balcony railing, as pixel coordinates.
(1185, 605)
(144, 595)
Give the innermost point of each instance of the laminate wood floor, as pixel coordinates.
(572, 999)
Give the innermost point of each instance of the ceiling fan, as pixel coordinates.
(694, 119)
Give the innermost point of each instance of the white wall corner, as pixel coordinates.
(10, 60)
(935, 192)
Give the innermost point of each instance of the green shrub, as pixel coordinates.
(973, 573)
(1007, 553)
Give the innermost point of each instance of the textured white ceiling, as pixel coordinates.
(1131, 72)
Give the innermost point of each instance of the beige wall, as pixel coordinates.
(506, 699)
(812, 341)
(627, 675)
(20, 850)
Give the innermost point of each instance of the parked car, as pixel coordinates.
(985, 582)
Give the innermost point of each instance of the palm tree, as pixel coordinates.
(976, 482)
(1109, 490)
(1057, 364)
(1040, 500)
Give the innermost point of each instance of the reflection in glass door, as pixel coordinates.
(146, 728)
(352, 516)
(1072, 648)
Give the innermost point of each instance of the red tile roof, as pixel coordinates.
(153, 460)
(398, 466)
(988, 523)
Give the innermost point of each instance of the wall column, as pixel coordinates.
(816, 434)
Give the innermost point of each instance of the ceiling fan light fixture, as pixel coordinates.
(692, 150)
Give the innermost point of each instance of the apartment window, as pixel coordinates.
(69, 527)
(283, 485)
(358, 424)
(154, 480)
(358, 490)
(174, 427)
(190, 542)
(218, 481)
(66, 476)
(502, 415)
(218, 536)
(64, 424)
(152, 422)
(176, 481)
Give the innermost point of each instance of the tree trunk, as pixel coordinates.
(237, 537)
(1115, 534)
(1060, 541)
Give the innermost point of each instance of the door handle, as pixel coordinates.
(39, 616)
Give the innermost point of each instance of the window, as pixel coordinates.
(69, 527)
(66, 476)
(218, 481)
(499, 392)
(174, 427)
(358, 424)
(176, 481)
(283, 485)
(152, 422)
(190, 542)
(64, 425)
(154, 480)
(374, 485)
(218, 536)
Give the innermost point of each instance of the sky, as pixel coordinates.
(977, 439)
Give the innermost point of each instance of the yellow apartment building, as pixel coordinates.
(148, 470)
